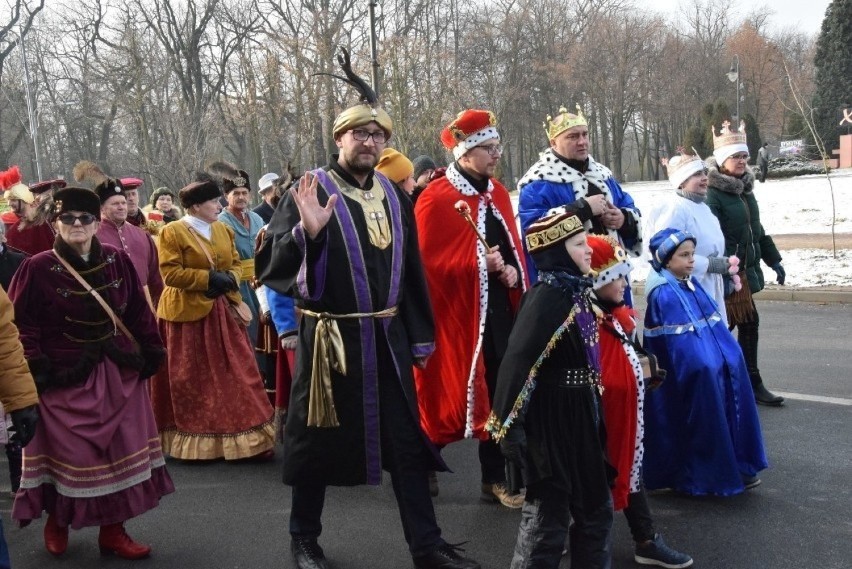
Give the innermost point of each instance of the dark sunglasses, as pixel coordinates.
(70, 218)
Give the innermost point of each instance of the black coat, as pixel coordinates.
(341, 272)
(9, 263)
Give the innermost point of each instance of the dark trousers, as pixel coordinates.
(15, 455)
(491, 461)
(545, 520)
(402, 450)
(747, 338)
(638, 516)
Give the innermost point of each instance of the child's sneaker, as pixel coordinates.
(658, 553)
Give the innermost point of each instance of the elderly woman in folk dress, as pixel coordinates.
(209, 399)
(90, 341)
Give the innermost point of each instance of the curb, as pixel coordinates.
(816, 295)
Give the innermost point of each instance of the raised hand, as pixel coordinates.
(314, 216)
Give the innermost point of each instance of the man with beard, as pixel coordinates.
(475, 292)
(131, 194)
(118, 232)
(566, 175)
(353, 409)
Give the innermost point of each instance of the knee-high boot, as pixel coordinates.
(747, 337)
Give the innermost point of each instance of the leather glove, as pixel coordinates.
(219, 282)
(779, 272)
(24, 422)
(514, 444)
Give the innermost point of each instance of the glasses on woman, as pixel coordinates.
(362, 135)
(70, 218)
(740, 157)
(492, 149)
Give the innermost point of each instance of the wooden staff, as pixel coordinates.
(464, 210)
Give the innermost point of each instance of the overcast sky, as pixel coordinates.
(805, 15)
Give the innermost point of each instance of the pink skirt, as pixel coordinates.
(96, 457)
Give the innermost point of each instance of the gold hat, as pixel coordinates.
(554, 228)
(359, 115)
(564, 121)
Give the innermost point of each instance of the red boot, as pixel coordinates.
(113, 539)
(55, 537)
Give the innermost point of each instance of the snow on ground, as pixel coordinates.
(791, 206)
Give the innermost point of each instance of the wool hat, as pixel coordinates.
(664, 243)
(563, 121)
(609, 260)
(197, 193)
(421, 164)
(729, 142)
(469, 129)
(265, 182)
(555, 227)
(72, 198)
(162, 191)
(227, 175)
(47, 185)
(10, 182)
(682, 166)
(395, 165)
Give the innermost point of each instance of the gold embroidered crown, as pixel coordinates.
(727, 136)
(550, 230)
(565, 120)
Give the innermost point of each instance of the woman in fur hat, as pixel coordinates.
(163, 206)
(731, 198)
(209, 399)
(90, 364)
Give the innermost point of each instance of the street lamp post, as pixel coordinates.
(31, 110)
(733, 77)
(374, 71)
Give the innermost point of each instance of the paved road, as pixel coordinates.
(234, 515)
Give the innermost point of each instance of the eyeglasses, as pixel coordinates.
(362, 136)
(740, 157)
(84, 219)
(492, 149)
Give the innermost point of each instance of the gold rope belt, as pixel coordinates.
(329, 353)
(247, 268)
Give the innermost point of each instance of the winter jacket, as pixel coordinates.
(732, 201)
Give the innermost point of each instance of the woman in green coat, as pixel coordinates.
(732, 201)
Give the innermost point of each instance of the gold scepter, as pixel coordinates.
(464, 210)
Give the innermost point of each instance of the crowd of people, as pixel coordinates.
(370, 312)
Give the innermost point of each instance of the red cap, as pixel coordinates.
(41, 187)
(131, 183)
(467, 123)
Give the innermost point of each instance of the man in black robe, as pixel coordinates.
(344, 245)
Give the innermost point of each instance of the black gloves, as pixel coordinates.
(779, 272)
(153, 359)
(219, 283)
(514, 444)
(24, 422)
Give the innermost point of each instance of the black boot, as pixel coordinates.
(748, 337)
(445, 557)
(308, 554)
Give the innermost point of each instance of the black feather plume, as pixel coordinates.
(368, 96)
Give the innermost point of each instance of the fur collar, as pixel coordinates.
(726, 183)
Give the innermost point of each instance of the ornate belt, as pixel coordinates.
(329, 352)
(580, 378)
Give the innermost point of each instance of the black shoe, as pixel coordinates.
(308, 554)
(750, 482)
(445, 557)
(765, 397)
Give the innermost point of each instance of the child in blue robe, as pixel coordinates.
(702, 434)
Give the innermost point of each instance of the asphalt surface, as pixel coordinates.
(235, 515)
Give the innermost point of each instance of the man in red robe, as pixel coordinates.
(475, 292)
